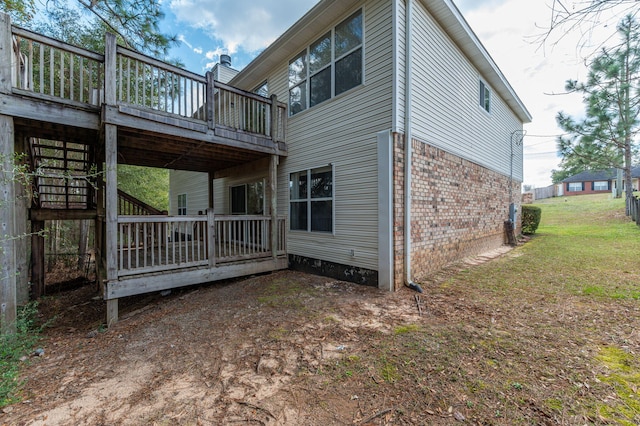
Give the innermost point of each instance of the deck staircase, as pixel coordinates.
(63, 175)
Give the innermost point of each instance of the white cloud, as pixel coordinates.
(197, 50)
(212, 54)
(245, 25)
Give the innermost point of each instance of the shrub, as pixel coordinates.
(12, 348)
(530, 219)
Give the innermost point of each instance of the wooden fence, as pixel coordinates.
(633, 209)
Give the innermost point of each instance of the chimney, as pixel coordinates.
(225, 60)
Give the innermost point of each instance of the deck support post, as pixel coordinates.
(273, 203)
(37, 258)
(111, 213)
(211, 189)
(8, 309)
(211, 236)
(23, 201)
(111, 174)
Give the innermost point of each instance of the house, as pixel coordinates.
(389, 146)
(596, 182)
(368, 85)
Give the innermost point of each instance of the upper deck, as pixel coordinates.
(166, 116)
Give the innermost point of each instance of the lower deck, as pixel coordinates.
(163, 252)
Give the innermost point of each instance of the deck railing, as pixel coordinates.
(57, 70)
(148, 83)
(161, 243)
(236, 109)
(60, 72)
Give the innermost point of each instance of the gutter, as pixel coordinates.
(408, 147)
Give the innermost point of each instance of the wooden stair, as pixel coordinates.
(63, 178)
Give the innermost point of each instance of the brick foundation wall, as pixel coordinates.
(458, 209)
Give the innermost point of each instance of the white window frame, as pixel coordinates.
(572, 186)
(182, 209)
(600, 183)
(305, 82)
(485, 96)
(309, 200)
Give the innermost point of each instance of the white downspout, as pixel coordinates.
(408, 148)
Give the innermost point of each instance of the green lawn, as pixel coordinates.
(547, 334)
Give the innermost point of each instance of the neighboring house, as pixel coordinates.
(361, 78)
(596, 182)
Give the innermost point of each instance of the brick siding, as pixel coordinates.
(458, 209)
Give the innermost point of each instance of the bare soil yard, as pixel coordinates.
(295, 349)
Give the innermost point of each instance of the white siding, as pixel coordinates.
(343, 131)
(194, 184)
(446, 110)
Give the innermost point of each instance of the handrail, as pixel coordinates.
(130, 205)
(157, 63)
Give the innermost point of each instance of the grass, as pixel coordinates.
(12, 349)
(543, 335)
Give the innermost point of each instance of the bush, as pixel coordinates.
(12, 348)
(530, 219)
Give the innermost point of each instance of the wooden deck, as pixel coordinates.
(122, 107)
(150, 247)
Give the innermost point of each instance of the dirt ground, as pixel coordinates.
(294, 349)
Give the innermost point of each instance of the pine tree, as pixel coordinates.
(605, 137)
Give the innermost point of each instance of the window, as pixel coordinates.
(485, 97)
(247, 198)
(328, 67)
(182, 205)
(262, 90)
(575, 186)
(602, 185)
(311, 200)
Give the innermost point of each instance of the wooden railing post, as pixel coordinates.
(211, 238)
(274, 118)
(210, 101)
(6, 54)
(110, 71)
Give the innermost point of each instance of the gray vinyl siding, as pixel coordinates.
(343, 132)
(194, 184)
(223, 73)
(400, 72)
(446, 110)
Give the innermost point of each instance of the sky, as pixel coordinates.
(509, 29)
